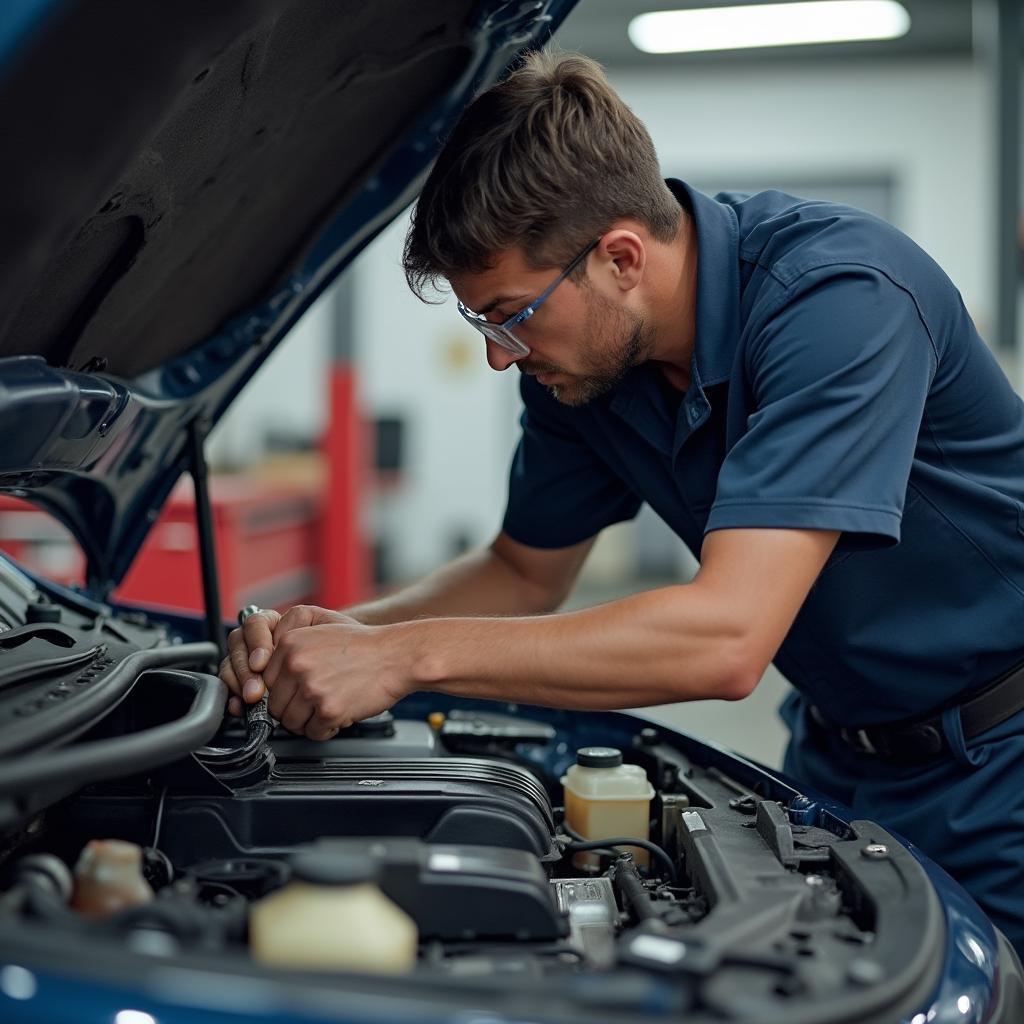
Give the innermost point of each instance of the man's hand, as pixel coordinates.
(328, 671)
(250, 647)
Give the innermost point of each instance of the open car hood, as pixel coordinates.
(180, 182)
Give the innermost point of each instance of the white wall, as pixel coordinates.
(287, 397)
(925, 123)
(424, 363)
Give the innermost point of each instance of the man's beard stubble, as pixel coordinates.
(607, 363)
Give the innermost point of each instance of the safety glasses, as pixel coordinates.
(503, 334)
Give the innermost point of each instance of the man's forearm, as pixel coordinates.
(478, 583)
(657, 647)
(712, 638)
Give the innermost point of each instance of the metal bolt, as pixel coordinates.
(875, 851)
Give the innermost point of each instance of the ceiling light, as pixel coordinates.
(752, 25)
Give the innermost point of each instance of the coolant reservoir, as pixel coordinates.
(108, 878)
(605, 798)
(332, 916)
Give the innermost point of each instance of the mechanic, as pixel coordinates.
(798, 390)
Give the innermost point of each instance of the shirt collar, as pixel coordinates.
(637, 398)
(718, 283)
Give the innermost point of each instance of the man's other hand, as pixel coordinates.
(328, 671)
(251, 645)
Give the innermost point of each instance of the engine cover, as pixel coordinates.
(440, 800)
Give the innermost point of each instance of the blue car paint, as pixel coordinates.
(185, 996)
(19, 21)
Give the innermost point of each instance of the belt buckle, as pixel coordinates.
(859, 740)
(928, 740)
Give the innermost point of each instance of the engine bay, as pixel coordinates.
(740, 903)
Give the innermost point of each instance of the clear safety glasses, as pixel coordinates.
(503, 334)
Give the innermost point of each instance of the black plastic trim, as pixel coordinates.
(69, 719)
(102, 759)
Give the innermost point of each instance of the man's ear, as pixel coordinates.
(623, 256)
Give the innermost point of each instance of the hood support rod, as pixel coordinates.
(198, 429)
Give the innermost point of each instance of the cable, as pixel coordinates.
(604, 851)
(259, 727)
(644, 844)
(159, 819)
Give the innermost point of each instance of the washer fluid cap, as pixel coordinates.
(599, 757)
(321, 868)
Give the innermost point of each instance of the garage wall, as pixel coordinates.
(425, 365)
(286, 401)
(924, 124)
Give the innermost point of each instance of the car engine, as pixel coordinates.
(745, 905)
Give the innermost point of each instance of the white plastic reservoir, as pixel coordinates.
(605, 799)
(332, 916)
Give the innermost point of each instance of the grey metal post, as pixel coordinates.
(1006, 66)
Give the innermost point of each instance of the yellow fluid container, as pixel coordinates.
(109, 879)
(605, 798)
(332, 916)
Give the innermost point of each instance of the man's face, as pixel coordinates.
(581, 341)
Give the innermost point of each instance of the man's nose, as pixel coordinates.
(499, 358)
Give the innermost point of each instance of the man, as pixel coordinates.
(798, 390)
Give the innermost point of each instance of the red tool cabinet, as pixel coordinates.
(268, 539)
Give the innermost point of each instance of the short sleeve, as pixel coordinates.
(839, 377)
(560, 491)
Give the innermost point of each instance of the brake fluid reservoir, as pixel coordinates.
(605, 798)
(332, 916)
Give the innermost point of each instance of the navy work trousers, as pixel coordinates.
(965, 811)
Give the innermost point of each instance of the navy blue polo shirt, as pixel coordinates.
(838, 383)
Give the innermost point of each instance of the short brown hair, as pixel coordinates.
(546, 161)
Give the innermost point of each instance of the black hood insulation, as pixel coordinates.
(166, 163)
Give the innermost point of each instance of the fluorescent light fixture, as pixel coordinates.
(753, 25)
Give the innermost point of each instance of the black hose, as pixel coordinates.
(634, 895)
(644, 844)
(159, 818)
(259, 727)
(125, 755)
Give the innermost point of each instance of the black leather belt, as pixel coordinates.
(913, 740)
